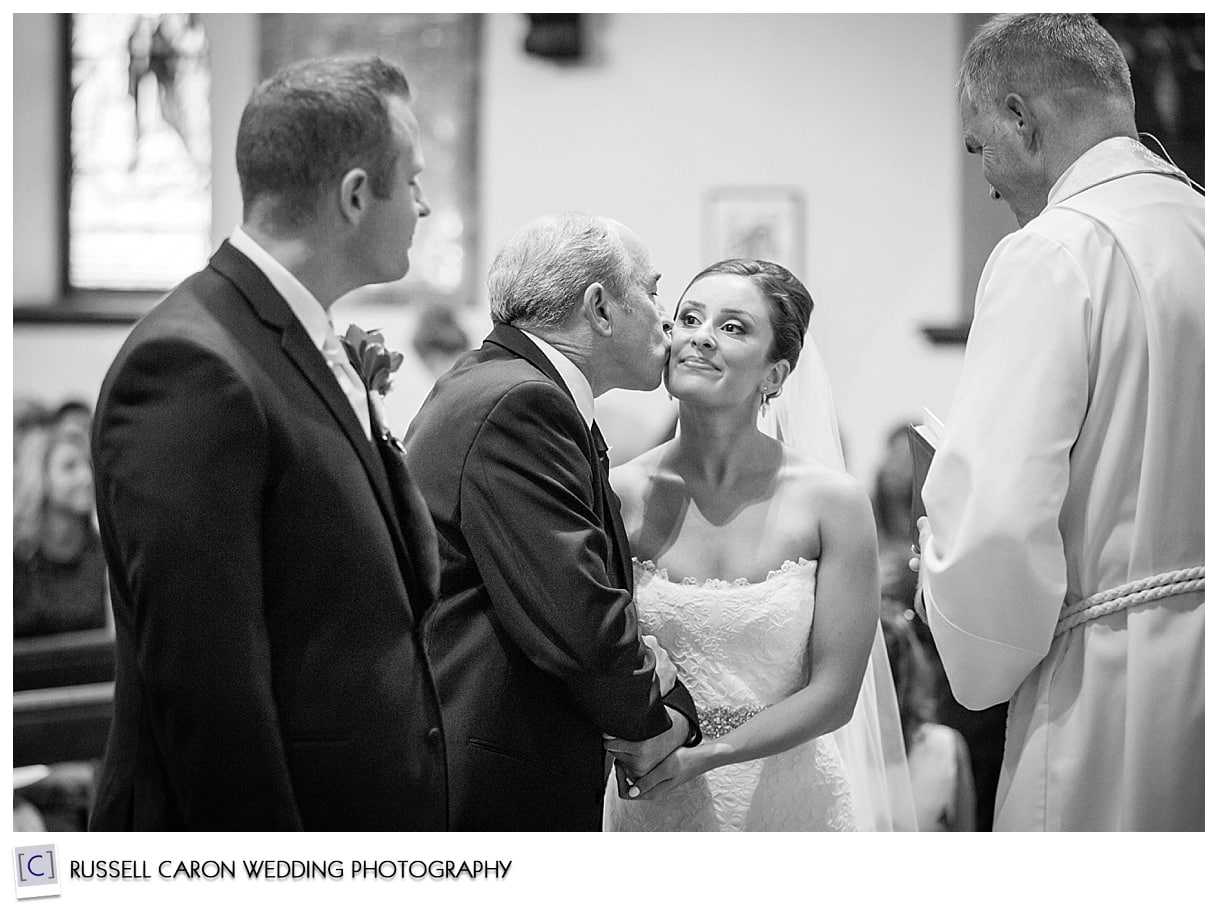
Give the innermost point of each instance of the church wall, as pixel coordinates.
(856, 112)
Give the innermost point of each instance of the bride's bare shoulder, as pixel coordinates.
(812, 482)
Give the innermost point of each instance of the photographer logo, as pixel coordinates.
(36, 871)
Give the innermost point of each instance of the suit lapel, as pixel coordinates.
(609, 508)
(307, 358)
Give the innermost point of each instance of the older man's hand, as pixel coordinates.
(637, 758)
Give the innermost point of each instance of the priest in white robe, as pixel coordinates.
(1062, 557)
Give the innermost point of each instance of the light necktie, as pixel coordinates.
(348, 379)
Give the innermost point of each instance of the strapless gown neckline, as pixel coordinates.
(648, 567)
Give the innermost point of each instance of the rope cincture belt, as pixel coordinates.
(1099, 605)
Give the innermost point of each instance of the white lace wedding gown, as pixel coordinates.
(739, 647)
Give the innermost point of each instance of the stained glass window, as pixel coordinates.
(139, 181)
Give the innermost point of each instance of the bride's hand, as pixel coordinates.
(666, 671)
(676, 769)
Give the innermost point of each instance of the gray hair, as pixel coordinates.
(541, 272)
(1043, 53)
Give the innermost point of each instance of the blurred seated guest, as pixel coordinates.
(74, 416)
(939, 767)
(891, 501)
(439, 338)
(59, 573)
(893, 490)
(28, 413)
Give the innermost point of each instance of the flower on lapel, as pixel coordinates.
(375, 363)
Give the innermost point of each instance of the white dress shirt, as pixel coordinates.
(574, 378)
(315, 320)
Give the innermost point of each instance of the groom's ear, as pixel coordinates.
(354, 194)
(597, 311)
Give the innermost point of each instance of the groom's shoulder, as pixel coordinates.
(192, 316)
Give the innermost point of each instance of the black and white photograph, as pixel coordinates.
(435, 424)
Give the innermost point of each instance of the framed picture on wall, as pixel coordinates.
(755, 222)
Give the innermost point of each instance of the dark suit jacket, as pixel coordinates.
(535, 638)
(270, 672)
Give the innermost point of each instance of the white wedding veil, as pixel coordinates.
(871, 742)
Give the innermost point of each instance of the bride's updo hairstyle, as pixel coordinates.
(790, 302)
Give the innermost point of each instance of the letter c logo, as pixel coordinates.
(29, 866)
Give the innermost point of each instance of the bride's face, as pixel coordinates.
(721, 343)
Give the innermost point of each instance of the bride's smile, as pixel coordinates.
(722, 343)
(697, 363)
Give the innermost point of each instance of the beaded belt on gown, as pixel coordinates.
(716, 722)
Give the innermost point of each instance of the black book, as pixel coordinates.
(923, 439)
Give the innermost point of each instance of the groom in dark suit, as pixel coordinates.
(535, 637)
(270, 558)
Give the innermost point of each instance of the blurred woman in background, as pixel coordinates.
(59, 573)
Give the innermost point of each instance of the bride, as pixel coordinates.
(739, 539)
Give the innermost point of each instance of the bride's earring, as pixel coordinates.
(765, 400)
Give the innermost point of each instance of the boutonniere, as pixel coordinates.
(371, 359)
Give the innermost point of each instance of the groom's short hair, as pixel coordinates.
(540, 273)
(308, 125)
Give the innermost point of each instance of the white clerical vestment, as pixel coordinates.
(1073, 463)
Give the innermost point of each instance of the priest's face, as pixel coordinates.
(1008, 162)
